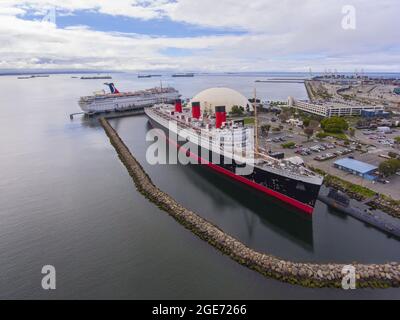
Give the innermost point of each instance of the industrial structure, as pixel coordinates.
(356, 167)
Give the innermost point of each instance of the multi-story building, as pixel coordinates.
(331, 109)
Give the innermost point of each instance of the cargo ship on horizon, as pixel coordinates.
(232, 144)
(183, 75)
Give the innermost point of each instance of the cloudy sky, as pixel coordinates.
(201, 35)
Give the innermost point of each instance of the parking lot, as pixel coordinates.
(323, 153)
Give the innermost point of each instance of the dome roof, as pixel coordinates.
(213, 97)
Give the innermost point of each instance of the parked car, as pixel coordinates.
(383, 181)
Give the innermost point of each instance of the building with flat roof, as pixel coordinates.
(331, 109)
(374, 114)
(356, 167)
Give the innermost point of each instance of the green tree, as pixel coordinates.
(314, 124)
(389, 167)
(397, 140)
(393, 155)
(321, 135)
(309, 132)
(334, 125)
(265, 128)
(306, 123)
(236, 111)
(352, 132)
(285, 115)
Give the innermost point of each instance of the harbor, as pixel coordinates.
(175, 152)
(305, 274)
(100, 205)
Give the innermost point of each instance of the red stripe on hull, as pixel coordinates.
(293, 202)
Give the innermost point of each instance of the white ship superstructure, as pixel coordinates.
(122, 101)
(232, 144)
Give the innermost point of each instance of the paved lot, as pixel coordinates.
(372, 156)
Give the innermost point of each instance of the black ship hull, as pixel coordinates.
(298, 194)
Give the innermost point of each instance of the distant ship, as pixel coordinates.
(229, 143)
(148, 75)
(95, 77)
(123, 101)
(181, 75)
(34, 76)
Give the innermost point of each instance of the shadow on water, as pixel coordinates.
(272, 213)
(287, 222)
(93, 120)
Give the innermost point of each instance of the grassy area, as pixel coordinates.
(329, 180)
(340, 136)
(323, 135)
(288, 145)
(364, 192)
(382, 202)
(249, 120)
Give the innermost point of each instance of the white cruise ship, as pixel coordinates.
(123, 101)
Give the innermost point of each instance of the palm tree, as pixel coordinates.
(265, 128)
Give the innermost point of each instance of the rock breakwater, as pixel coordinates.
(305, 274)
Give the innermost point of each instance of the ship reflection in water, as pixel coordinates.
(275, 215)
(254, 218)
(236, 208)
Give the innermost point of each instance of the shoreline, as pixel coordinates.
(310, 275)
(373, 199)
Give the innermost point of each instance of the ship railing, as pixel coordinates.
(268, 161)
(222, 149)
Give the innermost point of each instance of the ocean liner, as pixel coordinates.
(122, 101)
(229, 146)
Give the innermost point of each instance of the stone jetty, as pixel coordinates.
(305, 274)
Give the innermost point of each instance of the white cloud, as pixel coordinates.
(279, 35)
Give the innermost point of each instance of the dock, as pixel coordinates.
(363, 213)
(281, 81)
(112, 115)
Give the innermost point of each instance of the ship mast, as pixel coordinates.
(255, 123)
(162, 94)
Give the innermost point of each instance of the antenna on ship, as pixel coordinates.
(255, 123)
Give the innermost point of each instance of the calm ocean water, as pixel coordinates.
(66, 200)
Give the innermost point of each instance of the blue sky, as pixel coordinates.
(207, 35)
(154, 27)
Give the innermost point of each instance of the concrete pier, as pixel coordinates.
(305, 274)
